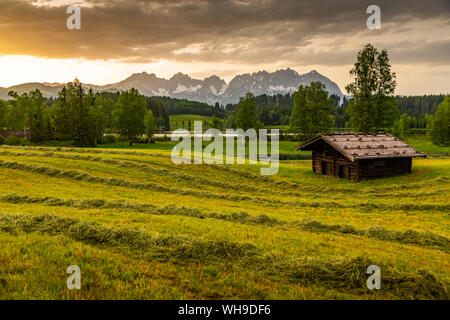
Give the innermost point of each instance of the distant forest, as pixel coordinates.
(183, 106)
(275, 110)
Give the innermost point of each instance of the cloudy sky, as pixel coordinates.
(222, 37)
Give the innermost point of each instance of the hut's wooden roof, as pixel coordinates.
(365, 146)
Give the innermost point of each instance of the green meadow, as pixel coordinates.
(182, 120)
(141, 227)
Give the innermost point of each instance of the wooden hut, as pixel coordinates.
(360, 156)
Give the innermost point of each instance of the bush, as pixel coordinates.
(109, 139)
(143, 139)
(439, 131)
(14, 141)
(121, 138)
(2, 140)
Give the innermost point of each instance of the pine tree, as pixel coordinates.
(84, 132)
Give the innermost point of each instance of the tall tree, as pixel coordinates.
(63, 117)
(28, 112)
(106, 107)
(216, 123)
(40, 124)
(3, 111)
(440, 125)
(373, 104)
(130, 113)
(150, 124)
(98, 115)
(246, 112)
(402, 126)
(312, 110)
(84, 132)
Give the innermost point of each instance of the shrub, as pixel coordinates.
(141, 139)
(14, 141)
(109, 139)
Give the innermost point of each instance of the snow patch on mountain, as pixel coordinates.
(181, 88)
(282, 89)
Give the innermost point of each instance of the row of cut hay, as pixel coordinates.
(95, 234)
(165, 172)
(255, 177)
(79, 204)
(347, 274)
(427, 239)
(141, 167)
(412, 194)
(370, 206)
(158, 171)
(443, 180)
(81, 150)
(81, 176)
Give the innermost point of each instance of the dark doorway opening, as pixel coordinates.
(343, 171)
(325, 167)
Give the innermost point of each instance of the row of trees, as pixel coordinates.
(276, 110)
(77, 115)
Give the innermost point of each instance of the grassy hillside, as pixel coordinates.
(140, 227)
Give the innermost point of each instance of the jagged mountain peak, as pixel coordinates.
(180, 76)
(141, 75)
(211, 89)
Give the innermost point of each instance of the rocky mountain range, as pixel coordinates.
(210, 90)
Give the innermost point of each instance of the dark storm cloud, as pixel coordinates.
(244, 31)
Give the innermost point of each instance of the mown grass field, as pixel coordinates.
(141, 227)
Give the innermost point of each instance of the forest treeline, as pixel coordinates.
(53, 118)
(275, 110)
(183, 106)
